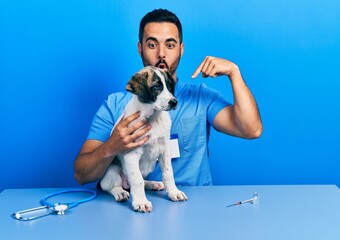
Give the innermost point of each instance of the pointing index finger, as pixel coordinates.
(198, 70)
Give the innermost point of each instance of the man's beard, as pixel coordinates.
(162, 64)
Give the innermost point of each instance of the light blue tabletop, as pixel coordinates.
(304, 212)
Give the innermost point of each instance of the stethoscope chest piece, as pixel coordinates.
(60, 208)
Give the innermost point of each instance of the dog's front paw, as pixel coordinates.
(177, 195)
(120, 194)
(143, 206)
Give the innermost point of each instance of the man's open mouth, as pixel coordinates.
(162, 64)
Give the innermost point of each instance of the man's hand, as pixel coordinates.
(127, 136)
(95, 156)
(214, 67)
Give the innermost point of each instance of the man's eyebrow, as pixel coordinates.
(151, 39)
(155, 39)
(171, 40)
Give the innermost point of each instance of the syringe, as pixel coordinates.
(254, 200)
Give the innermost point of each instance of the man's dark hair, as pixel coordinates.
(160, 15)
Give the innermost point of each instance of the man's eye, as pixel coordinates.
(170, 46)
(152, 45)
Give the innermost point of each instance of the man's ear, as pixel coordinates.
(182, 49)
(139, 49)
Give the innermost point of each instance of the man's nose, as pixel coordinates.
(161, 52)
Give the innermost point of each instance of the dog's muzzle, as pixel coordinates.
(172, 104)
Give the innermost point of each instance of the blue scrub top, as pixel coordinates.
(191, 121)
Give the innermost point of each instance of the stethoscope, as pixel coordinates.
(49, 208)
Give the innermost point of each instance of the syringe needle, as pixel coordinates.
(253, 200)
(235, 204)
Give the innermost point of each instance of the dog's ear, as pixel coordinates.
(168, 74)
(137, 82)
(170, 82)
(138, 85)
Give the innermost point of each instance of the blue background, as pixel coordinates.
(59, 59)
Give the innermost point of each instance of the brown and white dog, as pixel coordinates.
(153, 96)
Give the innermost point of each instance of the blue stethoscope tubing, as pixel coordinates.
(44, 201)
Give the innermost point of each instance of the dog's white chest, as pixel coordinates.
(158, 143)
(160, 125)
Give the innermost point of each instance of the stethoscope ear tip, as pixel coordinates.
(16, 216)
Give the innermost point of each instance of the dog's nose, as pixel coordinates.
(173, 103)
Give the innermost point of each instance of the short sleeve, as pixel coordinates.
(107, 115)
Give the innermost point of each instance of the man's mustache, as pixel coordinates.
(161, 61)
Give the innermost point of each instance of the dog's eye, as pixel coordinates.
(157, 86)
